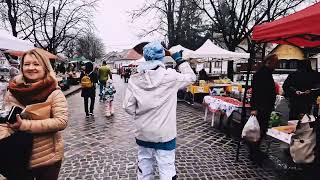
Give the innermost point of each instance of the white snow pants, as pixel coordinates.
(148, 157)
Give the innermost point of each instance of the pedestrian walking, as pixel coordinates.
(127, 74)
(263, 101)
(108, 98)
(151, 98)
(104, 73)
(36, 88)
(89, 79)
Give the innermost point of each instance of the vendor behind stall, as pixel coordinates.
(300, 89)
(203, 75)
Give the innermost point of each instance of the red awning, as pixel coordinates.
(48, 54)
(301, 29)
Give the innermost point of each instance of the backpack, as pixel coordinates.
(86, 81)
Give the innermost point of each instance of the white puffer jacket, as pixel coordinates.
(151, 98)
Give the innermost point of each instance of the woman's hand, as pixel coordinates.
(17, 124)
(254, 113)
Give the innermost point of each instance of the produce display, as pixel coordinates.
(223, 81)
(275, 119)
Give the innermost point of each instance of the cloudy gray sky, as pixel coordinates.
(114, 25)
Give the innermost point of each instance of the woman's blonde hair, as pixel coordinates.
(43, 60)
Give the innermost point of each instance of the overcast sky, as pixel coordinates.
(114, 25)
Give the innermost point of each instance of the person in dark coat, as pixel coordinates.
(203, 75)
(263, 99)
(127, 75)
(89, 93)
(298, 89)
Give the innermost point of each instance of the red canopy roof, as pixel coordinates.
(301, 29)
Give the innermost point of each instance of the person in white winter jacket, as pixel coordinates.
(151, 98)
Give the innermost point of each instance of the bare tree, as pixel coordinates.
(14, 17)
(90, 46)
(173, 19)
(62, 21)
(50, 24)
(235, 19)
(71, 48)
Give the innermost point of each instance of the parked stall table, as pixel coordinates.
(220, 105)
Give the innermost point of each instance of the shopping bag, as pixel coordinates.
(37, 111)
(251, 130)
(303, 141)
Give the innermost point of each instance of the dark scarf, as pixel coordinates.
(31, 93)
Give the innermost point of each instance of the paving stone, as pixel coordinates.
(104, 148)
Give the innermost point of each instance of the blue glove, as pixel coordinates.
(177, 56)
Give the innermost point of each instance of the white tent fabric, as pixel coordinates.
(141, 60)
(210, 50)
(8, 41)
(166, 59)
(186, 54)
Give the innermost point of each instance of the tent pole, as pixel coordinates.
(221, 67)
(264, 50)
(244, 112)
(210, 66)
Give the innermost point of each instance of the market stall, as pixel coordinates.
(216, 85)
(297, 29)
(212, 51)
(221, 108)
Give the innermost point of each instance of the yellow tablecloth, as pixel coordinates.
(198, 89)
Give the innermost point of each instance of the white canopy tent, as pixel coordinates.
(166, 59)
(210, 50)
(8, 41)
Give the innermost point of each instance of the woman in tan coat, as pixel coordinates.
(46, 113)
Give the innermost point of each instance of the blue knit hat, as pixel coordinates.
(153, 51)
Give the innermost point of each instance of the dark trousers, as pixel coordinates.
(126, 78)
(102, 86)
(50, 172)
(86, 101)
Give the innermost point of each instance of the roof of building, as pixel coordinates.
(130, 54)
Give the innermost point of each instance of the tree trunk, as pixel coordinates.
(12, 19)
(170, 18)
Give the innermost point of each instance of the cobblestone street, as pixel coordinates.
(104, 148)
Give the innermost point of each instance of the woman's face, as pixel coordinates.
(32, 69)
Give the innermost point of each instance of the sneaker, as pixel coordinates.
(91, 114)
(87, 116)
(108, 114)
